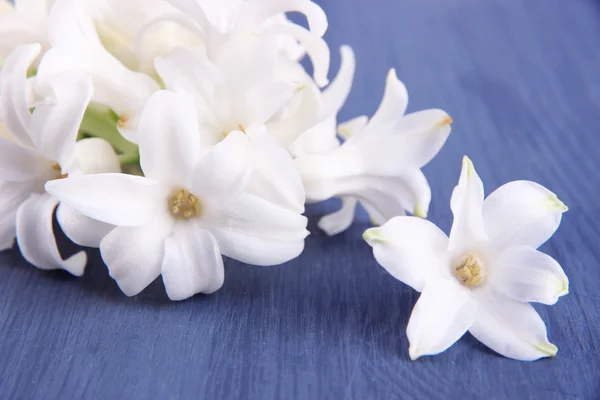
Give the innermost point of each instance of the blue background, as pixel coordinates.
(521, 79)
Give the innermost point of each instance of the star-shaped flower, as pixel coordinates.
(483, 276)
(380, 162)
(190, 207)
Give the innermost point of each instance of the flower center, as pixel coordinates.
(58, 172)
(240, 128)
(468, 271)
(183, 204)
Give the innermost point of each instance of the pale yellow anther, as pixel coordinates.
(183, 204)
(59, 175)
(468, 271)
(123, 119)
(419, 212)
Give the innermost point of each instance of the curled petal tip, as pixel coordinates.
(548, 349)
(467, 166)
(555, 204)
(419, 212)
(562, 287)
(447, 120)
(414, 354)
(372, 236)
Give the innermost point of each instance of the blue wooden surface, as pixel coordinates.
(521, 78)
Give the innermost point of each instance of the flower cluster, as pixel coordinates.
(168, 133)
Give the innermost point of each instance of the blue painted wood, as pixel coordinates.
(521, 80)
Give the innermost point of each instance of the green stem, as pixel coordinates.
(102, 123)
(129, 158)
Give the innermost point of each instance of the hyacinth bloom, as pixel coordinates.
(481, 278)
(190, 207)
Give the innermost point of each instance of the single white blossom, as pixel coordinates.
(189, 208)
(38, 147)
(241, 91)
(380, 162)
(483, 276)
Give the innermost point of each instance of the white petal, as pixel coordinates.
(134, 255)
(192, 263)
(19, 163)
(521, 213)
(96, 156)
(352, 127)
(225, 169)
(316, 48)
(13, 195)
(411, 249)
(54, 127)
(394, 102)
(36, 237)
(316, 17)
(335, 95)
(442, 315)
(511, 328)
(169, 138)
(340, 220)
(319, 139)
(76, 46)
(467, 208)
(528, 275)
(255, 231)
(274, 174)
(81, 229)
(13, 87)
(116, 199)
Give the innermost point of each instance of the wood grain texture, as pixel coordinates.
(521, 78)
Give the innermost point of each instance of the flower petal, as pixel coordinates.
(394, 102)
(411, 249)
(192, 263)
(511, 328)
(82, 230)
(316, 17)
(274, 175)
(14, 89)
(466, 203)
(54, 127)
(134, 255)
(36, 237)
(19, 163)
(521, 213)
(340, 220)
(169, 138)
(96, 156)
(527, 275)
(442, 315)
(225, 169)
(13, 195)
(255, 231)
(335, 95)
(352, 127)
(116, 199)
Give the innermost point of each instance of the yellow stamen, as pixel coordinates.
(123, 119)
(469, 271)
(183, 204)
(58, 170)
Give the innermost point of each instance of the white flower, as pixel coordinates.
(379, 164)
(219, 22)
(188, 209)
(22, 23)
(39, 147)
(77, 48)
(482, 278)
(240, 91)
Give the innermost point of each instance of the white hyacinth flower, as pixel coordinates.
(190, 207)
(380, 162)
(38, 147)
(240, 92)
(483, 276)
